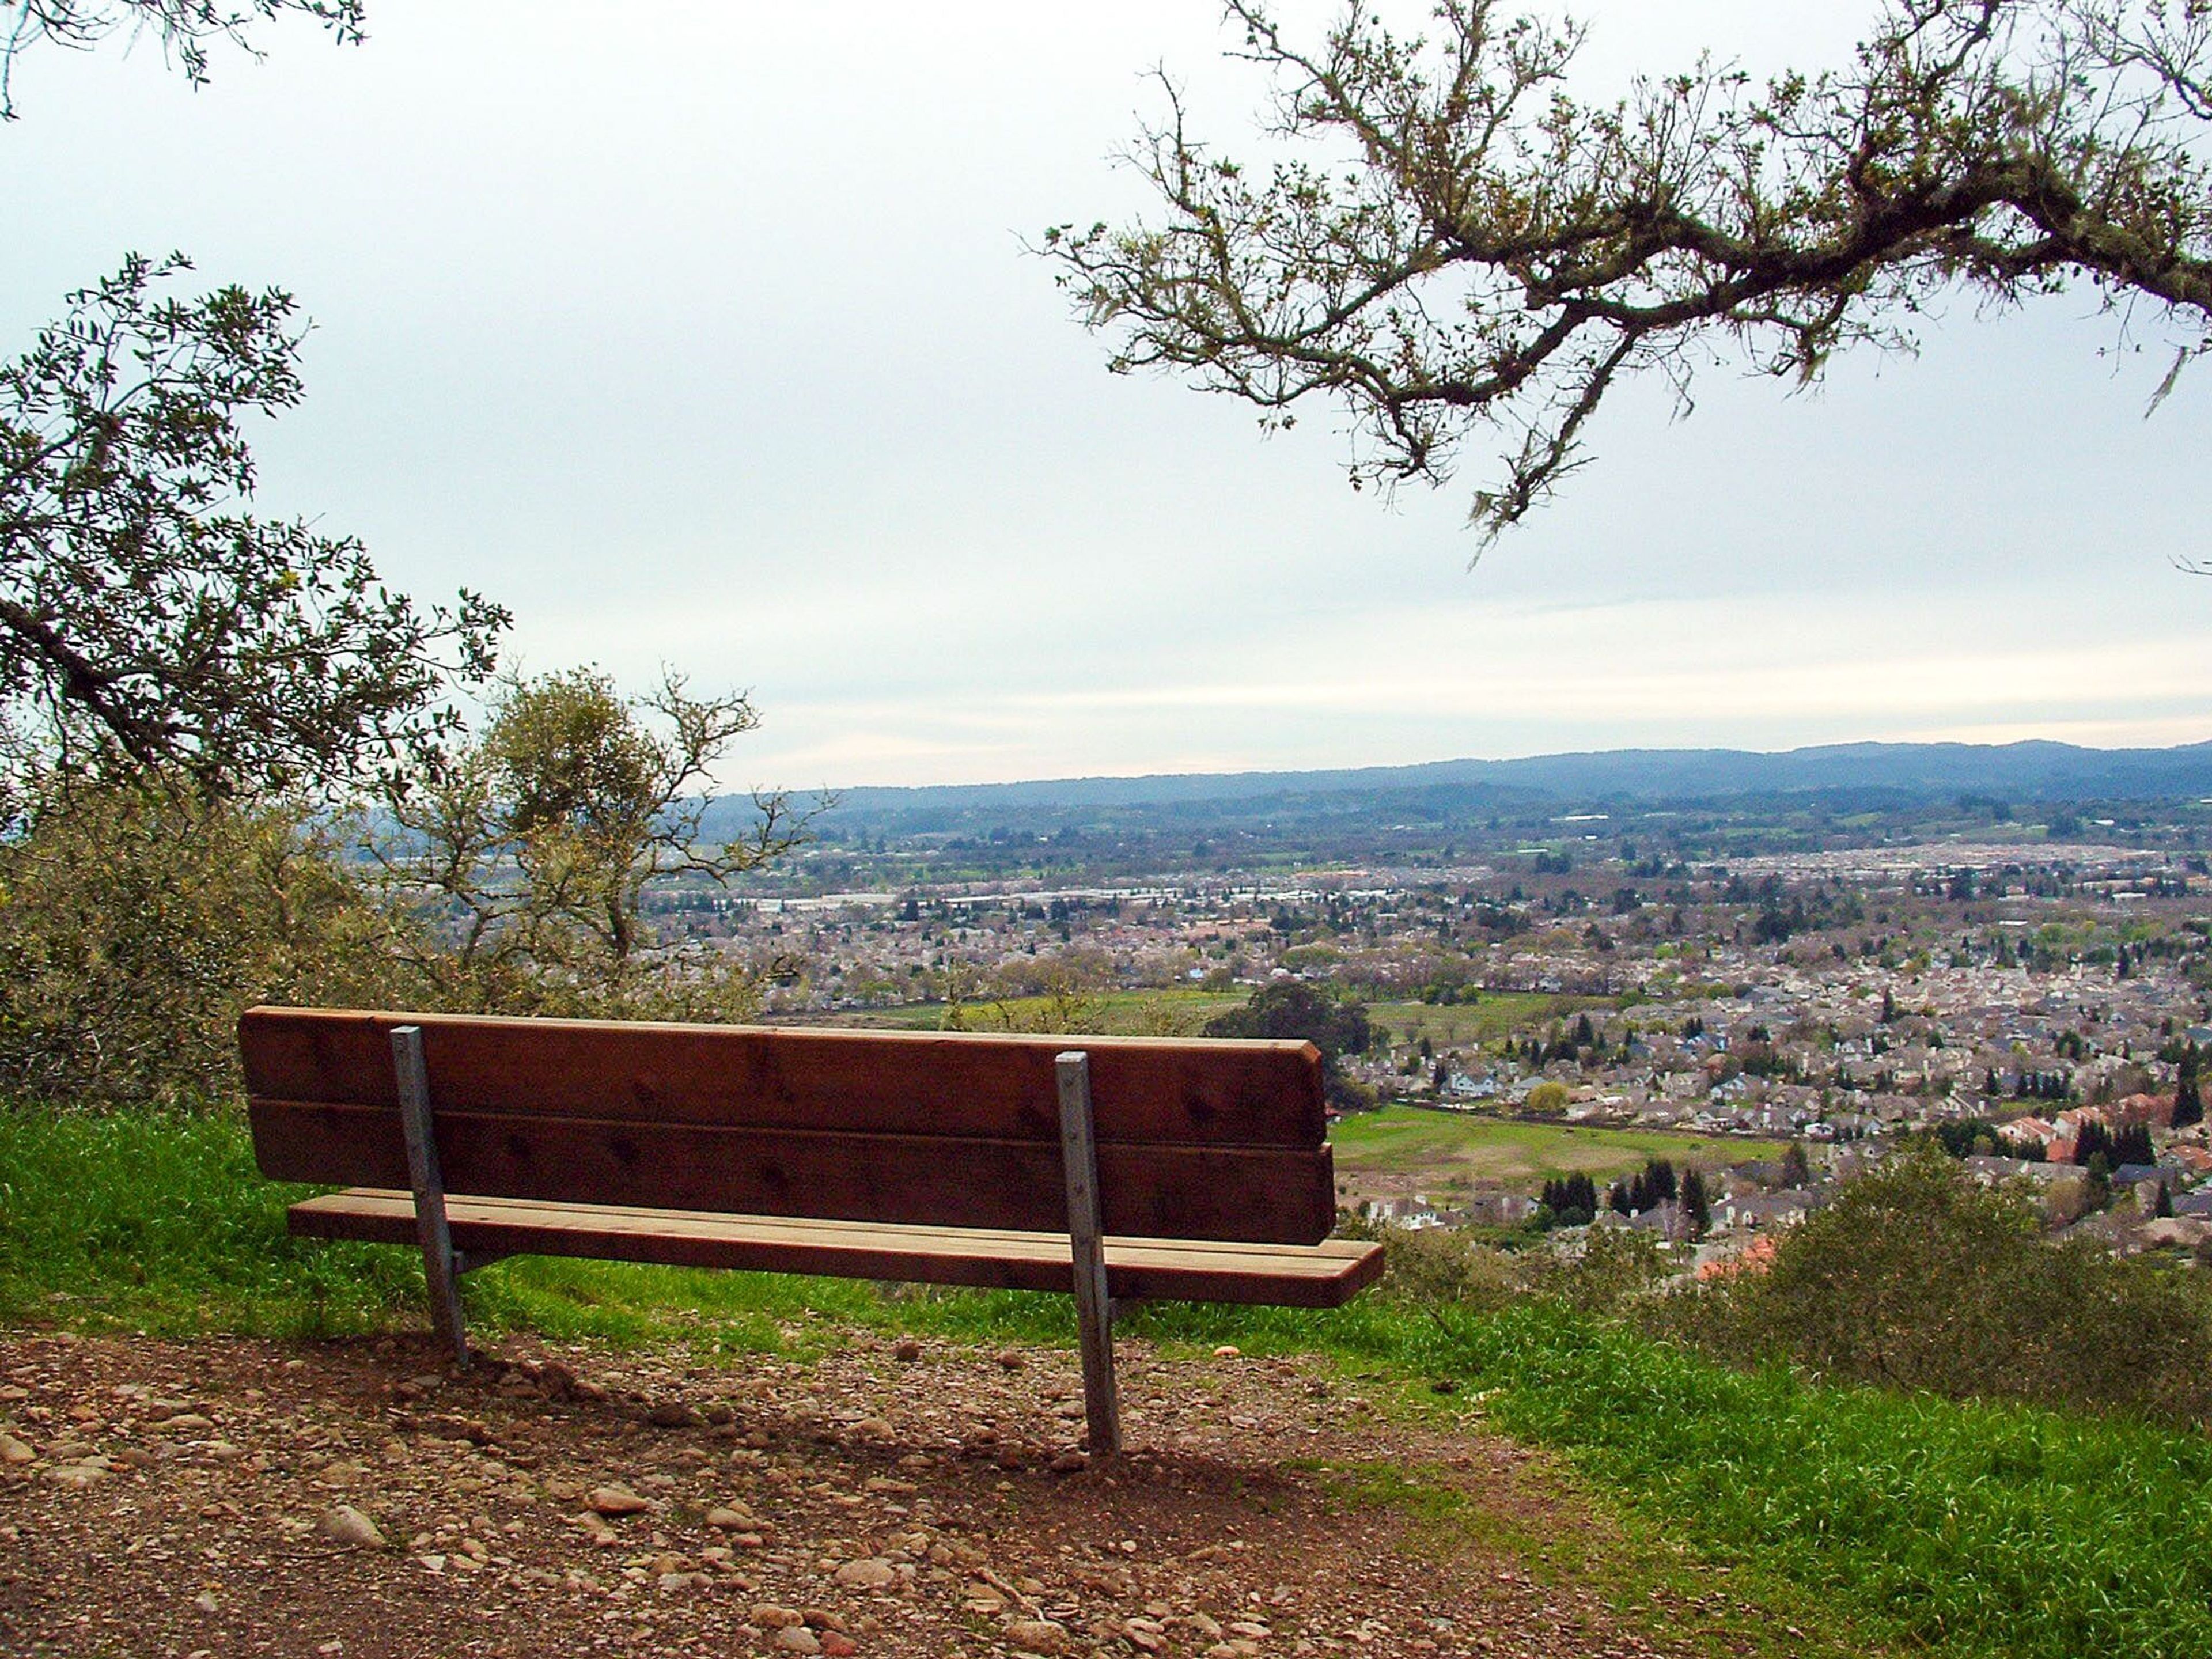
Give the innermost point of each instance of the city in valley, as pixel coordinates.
(1630, 995)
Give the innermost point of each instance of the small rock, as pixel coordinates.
(1228, 1350)
(184, 1423)
(348, 1526)
(873, 1428)
(673, 1414)
(1038, 1636)
(821, 1619)
(836, 1642)
(797, 1638)
(13, 1450)
(615, 1500)
(907, 1351)
(1070, 1462)
(206, 1603)
(723, 1518)
(1010, 1359)
(79, 1475)
(871, 1572)
(770, 1616)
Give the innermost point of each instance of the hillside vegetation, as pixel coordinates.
(1966, 1527)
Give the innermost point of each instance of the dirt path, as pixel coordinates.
(193, 1499)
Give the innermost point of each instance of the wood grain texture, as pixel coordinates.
(1146, 1090)
(1325, 1275)
(1190, 1192)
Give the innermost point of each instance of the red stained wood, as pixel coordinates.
(1319, 1276)
(1166, 1191)
(1146, 1090)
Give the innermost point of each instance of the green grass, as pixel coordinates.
(1908, 1522)
(1175, 1013)
(1436, 1147)
(1496, 1014)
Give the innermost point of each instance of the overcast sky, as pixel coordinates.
(703, 334)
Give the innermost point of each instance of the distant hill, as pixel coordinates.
(1902, 772)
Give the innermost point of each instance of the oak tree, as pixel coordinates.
(184, 29)
(149, 623)
(1451, 244)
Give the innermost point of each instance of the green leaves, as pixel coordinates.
(150, 623)
(1498, 255)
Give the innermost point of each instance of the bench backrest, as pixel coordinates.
(1197, 1138)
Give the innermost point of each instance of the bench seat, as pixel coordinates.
(1324, 1275)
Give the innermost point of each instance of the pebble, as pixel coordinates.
(836, 1642)
(616, 1500)
(1228, 1350)
(1038, 1636)
(907, 1351)
(184, 1423)
(13, 1450)
(672, 1415)
(871, 1572)
(723, 1518)
(348, 1526)
(769, 1615)
(1010, 1359)
(76, 1475)
(797, 1638)
(1070, 1462)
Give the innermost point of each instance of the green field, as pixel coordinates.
(1104, 1013)
(1183, 1013)
(1405, 1149)
(1497, 1014)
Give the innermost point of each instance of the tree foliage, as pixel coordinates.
(136, 923)
(1918, 1278)
(149, 622)
(186, 28)
(1453, 243)
(530, 847)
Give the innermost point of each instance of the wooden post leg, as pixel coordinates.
(440, 1265)
(1094, 1313)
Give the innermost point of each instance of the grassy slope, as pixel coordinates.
(1497, 1014)
(1405, 1139)
(1863, 1518)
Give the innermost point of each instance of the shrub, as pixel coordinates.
(136, 924)
(1439, 1267)
(1920, 1278)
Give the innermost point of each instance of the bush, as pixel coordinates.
(1919, 1279)
(136, 924)
(1439, 1267)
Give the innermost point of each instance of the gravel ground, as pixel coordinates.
(223, 1497)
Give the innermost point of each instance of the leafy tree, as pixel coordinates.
(1570, 1200)
(136, 923)
(1291, 1010)
(149, 624)
(1796, 1168)
(1918, 1278)
(1696, 1207)
(1548, 1099)
(2187, 1095)
(186, 28)
(1457, 243)
(531, 847)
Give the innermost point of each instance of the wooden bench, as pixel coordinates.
(1113, 1168)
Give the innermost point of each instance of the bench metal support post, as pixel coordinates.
(1094, 1312)
(441, 1265)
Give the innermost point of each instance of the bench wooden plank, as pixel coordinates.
(1209, 1192)
(1325, 1275)
(1145, 1089)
